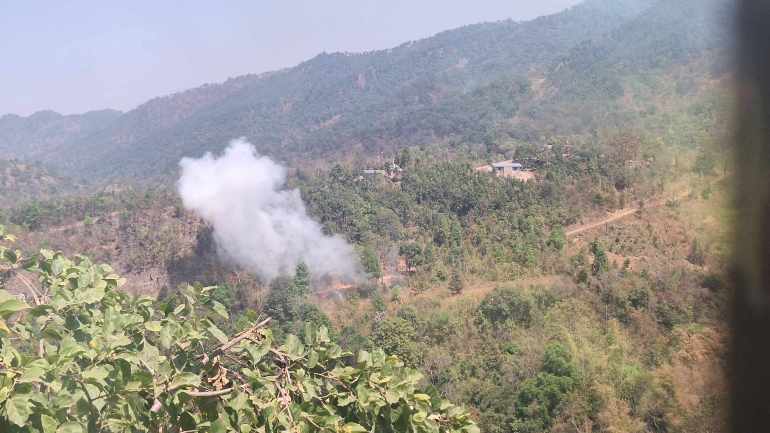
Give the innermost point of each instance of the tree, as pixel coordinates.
(456, 284)
(600, 264)
(281, 304)
(557, 239)
(87, 357)
(404, 158)
(371, 263)
(705, 162)
(506, 305)
(397, 337)
(412, 253)
(539, 397)
(696, 255)
(457, 235)
(301, 283)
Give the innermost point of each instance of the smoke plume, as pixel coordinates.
(258, 223)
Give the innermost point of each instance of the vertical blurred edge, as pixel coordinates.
(750, 351)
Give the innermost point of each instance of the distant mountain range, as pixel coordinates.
(603, 63)
(21, 182)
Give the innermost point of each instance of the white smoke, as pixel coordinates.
(259, 223)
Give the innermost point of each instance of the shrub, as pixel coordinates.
(600, 264)
(582, 277)
(669, 315)
(438, 328)
(557, 239)
(639, 298)
(371, 263)
(712, 282)
(506, 305)
(456, 285)
(539, 397)
(396, 337)
(378, 303)
(696, 256)
(558, 361)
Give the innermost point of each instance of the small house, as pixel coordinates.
(508, 169)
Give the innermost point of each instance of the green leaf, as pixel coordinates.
(422, 397)
(92, 295)
(471, 428)
(183, 380)
(352, 427)
(10, 304)
(49, 424)
(364, 358)
(34, 371)
(179, 309)
(150, 356)
(419, 417)
(240, 402)
(219, 426)
(58, 265)
(5, 389)
(70, 427)
(97, 373)
(118, 340)
(167, 336)
(86, 279)
(70, 348)
(64, 399)
(18, 409)
(293, 347)
(323, 335)
(11, 256)
(257, 352)
(312, 359)
(217, 333)
(346, 400)
(363, 393)
(153, 326)
(220, 309)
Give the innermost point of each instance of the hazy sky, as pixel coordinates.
(74, 56)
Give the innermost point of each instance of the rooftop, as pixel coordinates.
(509, 163)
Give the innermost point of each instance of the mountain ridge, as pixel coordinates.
(457, 85)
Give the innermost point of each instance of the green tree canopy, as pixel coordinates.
(86, 357)
(601, 263)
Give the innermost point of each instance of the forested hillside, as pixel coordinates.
(589, 297)
(487, 84)
(37, 136)
(477, 281)
(23, 182)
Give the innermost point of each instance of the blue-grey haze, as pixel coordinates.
(74, 56)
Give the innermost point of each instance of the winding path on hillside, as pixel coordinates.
(608, 219)
(611, 217)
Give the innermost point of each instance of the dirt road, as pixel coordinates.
(626, 212)
(610, 218)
